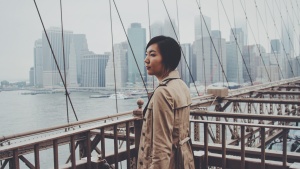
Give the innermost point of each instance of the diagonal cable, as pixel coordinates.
(60, 74)
(131, 48)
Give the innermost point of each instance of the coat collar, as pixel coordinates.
(172, 75)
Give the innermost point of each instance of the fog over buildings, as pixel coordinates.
(244, 47)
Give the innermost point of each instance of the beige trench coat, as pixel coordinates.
(164, 139)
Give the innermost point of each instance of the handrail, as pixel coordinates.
(246, 116)
(66, 134)
(49, 129)
(246, 124)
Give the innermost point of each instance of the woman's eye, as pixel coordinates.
(152, 55)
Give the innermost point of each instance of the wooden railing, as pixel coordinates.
(239, 155)
(224, 153)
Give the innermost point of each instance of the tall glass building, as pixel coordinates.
(93, 69)
(38, 63)
(51, 75)
(137, 39)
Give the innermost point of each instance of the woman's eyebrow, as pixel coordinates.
(152, 51)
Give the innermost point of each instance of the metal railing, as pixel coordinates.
(242, 156)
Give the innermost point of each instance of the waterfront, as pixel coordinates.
(21, 113)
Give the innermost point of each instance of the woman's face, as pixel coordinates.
(153, 62)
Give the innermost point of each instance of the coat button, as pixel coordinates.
(144, 119)
(144, 134)
(141, 163)
(142, 148)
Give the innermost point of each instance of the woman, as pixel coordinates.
(164, 140)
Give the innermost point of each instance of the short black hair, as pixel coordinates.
(169, 50)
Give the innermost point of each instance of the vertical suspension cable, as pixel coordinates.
(203, 58)
(220, 41)
(288, 15)
(295, 15)
(113, 54)
(55, 60)
(199, 7)
(149, 24)
(283, 47)
(180, 47)
(275, 54)
(255, 42)
(64, 60)
(236, 42)
(287, 31)
(248, 47)
(181, 66)
(258, 42)
(130, 47)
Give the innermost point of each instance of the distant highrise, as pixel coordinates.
(186, 56)
(200, 27)
(51, 75)
(137, 39)
(156, 29)
(38, 63)
(121, 69)
(31, 76)
(275, 46)
(93, 69)
(81, 47)
(208, 69)
(72, 71)
(169, 29)
(234, 56)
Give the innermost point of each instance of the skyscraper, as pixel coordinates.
(51, 75)
(208, 69)
(81, 47)
(156, 29)
(275, 46)
(31, 76)
(93, 69)
(137, 39)
(38, 63)
(185, 58)
(171, 29)
(121, 69)
(200, 27)
(234, 56)
(72, 71)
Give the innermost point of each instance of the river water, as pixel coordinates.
(22, 113)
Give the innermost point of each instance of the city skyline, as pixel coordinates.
(82, 18)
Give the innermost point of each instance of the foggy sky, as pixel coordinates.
(20, 24)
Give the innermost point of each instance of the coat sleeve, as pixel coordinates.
(163, 121)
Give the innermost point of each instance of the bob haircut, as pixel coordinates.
(169, 50)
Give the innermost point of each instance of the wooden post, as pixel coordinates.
(137, 128)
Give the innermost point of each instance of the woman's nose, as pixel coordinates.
(146, 59)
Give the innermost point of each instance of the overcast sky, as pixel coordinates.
(20, 24)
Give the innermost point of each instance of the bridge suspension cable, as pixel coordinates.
(258, 48)
(113, 55)
(130, 47)
(287, 30)
(150, 36)
(201, 15)
(272, 48)
(55, 60)
(64, 57)
(283, 47)
(237, 43)
(180, 47)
